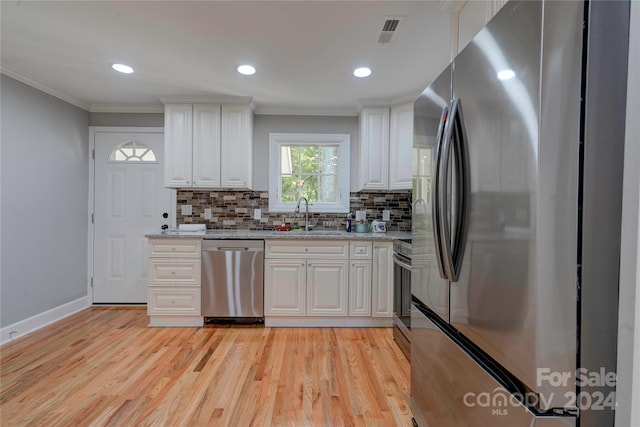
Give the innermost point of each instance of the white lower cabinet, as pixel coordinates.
(360, 288)
(174, 282)
(174, 301)
(382, 281)
(325, 283)
(284, 287)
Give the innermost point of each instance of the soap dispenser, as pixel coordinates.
(349, 222)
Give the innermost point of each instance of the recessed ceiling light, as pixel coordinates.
(506, 74)
(247, 70)
(362, 72)
(122, 68)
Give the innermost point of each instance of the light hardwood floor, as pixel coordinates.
(104, 366)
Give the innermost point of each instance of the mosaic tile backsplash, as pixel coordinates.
(233, 210)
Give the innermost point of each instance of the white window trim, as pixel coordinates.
(276, 140)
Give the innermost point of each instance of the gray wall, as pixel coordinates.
(265, 124)
(44, 182)
(127, 119)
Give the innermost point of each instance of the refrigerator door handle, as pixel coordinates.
(436, 190)
(462, 183)
(452, 243)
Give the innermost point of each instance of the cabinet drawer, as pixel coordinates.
(183, 248)
(360, 250)
(173, 301)
(321, 249)
(171, 272)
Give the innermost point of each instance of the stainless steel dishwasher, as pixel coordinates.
(233, 281)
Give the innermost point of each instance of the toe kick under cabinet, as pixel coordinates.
(327, 283)
(173, 292)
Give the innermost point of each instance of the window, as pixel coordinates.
(132, 151)
(315, 166)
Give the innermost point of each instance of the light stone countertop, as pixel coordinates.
(282, 235)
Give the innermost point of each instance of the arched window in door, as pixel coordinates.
(132, 151)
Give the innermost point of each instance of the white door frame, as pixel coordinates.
(93, 130)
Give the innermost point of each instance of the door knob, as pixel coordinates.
(165, 215)
(164, 226)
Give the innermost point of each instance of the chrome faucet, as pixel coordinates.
(306, 213)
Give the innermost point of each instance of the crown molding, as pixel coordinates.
(34, 84)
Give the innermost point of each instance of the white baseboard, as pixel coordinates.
(33, 323)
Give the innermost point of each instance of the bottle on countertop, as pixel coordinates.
(349, 222)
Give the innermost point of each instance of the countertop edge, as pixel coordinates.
(279, 235)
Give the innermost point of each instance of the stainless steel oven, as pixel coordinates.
(402, 294)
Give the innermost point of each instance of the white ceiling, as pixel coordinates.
(304, 51)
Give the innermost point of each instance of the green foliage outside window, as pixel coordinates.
(309, 171)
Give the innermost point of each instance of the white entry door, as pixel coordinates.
(130, 201)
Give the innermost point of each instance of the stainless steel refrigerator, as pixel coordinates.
(517, 194)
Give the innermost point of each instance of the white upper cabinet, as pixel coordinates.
(401, 147)
(237, 146)
(373, 171)
(386, 148)
(177, 145)
(208, 145)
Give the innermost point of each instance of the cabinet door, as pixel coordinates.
(206, 145)
(327, 283)
(374, 149)
(360, 288)
(382, 280)
(401, 147)
(237, 146)
(284, 287)
(177, 145)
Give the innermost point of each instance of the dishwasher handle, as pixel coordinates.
(232, 246)
(223, 248)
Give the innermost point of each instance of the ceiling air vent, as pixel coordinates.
(389, 28)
